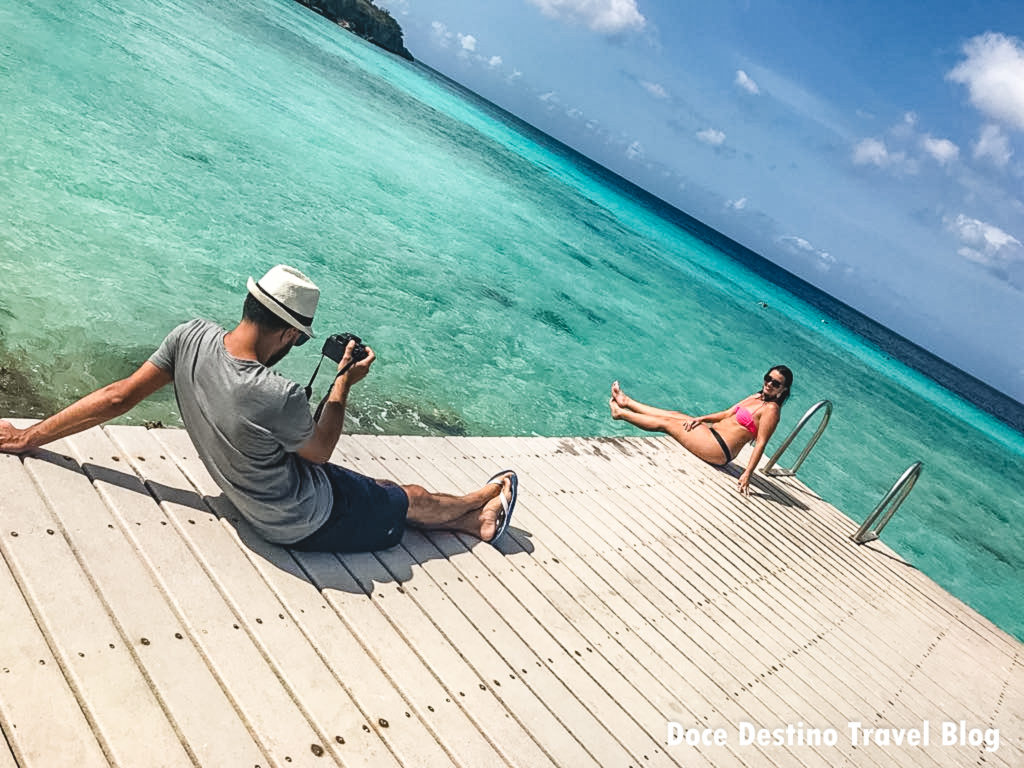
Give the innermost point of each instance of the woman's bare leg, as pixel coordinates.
(699, 441)
(625, 401)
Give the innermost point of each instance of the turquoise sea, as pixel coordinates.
(157, 153)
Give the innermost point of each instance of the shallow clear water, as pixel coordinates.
(156, 154)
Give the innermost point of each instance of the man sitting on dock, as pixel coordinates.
(256, 436)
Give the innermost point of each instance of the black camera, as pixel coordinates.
(334, 347)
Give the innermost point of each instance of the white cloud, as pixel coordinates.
(903, 148)
(467, 47)
(972, 255)
(604, 16)
(441, 33)
(904, 129)
(823, 260)
(634, 150)
(994, 145)
(875, 152)
(797, 242)
(516, 74)
(711, 136)
(654, 89)
(743, 81)
(871, 152)
(943, 150)
(986, 244)
(737, 205)
(994, 75)
(549, 98)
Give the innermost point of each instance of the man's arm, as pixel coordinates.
(321, 444)
(95, 408)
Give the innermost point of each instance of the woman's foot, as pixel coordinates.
(618, 396)
(616, 410)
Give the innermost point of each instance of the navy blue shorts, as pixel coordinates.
(368, 515)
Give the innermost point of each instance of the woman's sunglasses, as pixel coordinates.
(774, 382)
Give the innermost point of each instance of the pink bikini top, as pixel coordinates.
(746, 418)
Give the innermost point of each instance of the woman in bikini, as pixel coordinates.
(753, 419)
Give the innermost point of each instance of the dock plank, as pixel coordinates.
(100, 660)
(7, 757)
(1009, 712)
(34, 724)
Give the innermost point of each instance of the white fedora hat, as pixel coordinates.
(289, 294)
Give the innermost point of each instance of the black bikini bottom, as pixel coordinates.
(721, 442)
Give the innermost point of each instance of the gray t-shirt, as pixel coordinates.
(247, 422)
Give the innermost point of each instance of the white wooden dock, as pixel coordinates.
(144, 625)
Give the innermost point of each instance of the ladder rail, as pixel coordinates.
(769, 468)
(892, 500)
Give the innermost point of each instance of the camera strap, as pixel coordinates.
(309, 387)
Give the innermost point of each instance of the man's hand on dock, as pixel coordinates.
(12, 439)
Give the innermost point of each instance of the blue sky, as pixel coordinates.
(875, 149)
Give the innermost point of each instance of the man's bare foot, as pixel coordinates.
(491, 512)
(619, 396)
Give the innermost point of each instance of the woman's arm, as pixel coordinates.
(711, 418)
(765, 429)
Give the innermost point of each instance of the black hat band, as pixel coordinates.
(304, 319)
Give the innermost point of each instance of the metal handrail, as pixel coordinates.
(769, 467)
(895, 496)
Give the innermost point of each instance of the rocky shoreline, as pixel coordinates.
(365, 19)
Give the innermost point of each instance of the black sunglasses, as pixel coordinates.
(303, 338)
(774, 382)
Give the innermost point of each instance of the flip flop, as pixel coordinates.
(508, 505)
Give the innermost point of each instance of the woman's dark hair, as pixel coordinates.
(261, 316)
(788, 376)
